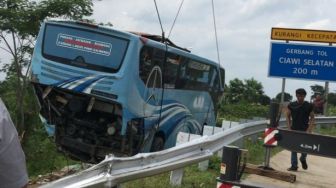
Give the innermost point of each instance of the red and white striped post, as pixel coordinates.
(270, 132)
(269, 139)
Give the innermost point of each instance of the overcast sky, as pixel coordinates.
(243, 28)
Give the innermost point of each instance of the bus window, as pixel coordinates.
(171, 70)
(214, 82)
(150, 67)
(145, 63)
(203, 77)
(222, 74)
(83, 48)
(198, 75)
(182, 75)
(158, 57)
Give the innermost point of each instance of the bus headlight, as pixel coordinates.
(111, 130)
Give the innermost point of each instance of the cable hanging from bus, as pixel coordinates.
(101, 89)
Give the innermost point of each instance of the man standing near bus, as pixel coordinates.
(13, 172)
(300, 117)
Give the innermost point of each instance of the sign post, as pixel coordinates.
(306, 35)
(303, 61)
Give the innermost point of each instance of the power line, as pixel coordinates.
(157, 11)
(178, 12)
(214, 21)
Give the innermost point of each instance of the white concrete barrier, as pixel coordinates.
(176, 176)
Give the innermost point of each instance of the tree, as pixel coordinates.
(317, 89)
(264, 100)
(19, 25)
(253, 90)
(332, 98)
(287, 97)
(235, 91)
(249, 90)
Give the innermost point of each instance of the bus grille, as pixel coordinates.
(60, 73)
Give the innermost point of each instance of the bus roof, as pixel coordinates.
(155, 40)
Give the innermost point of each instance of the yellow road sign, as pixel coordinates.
(303, 35)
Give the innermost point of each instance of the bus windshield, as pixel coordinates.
(83, 48)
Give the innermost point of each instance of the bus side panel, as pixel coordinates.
(197, 111)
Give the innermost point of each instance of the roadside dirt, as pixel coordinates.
(47, 178)
(321, 172)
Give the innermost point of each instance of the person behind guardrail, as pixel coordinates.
(318, 104)
(300, 117)
(13, 171)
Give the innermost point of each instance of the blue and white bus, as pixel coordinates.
(109, 91)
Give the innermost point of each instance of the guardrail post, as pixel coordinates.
(317, 126)
(207, 130)
(176, 176)
(225, 126)
(271, 130)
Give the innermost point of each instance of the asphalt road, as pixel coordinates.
(321, 172)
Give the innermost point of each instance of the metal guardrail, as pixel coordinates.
(115, 170)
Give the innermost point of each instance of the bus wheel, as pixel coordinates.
(157, 144)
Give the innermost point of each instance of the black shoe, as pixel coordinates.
(304, 164)
(292, 168)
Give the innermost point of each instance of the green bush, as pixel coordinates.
(41, 154)
(234, 112)
(40, 150)
(331, 110)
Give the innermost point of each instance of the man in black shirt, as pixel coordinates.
(300, 117)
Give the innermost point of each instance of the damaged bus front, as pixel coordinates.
(77, 76)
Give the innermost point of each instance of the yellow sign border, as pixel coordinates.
(307, 35)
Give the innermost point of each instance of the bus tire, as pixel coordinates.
(157, 144)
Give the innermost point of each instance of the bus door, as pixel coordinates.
(214, 87)
(151, 61)
(152, 76)
(175, 97)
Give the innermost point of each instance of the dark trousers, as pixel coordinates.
(294, 158)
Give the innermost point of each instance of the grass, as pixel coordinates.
(194, 178)
(328, 130)
(256, 150)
